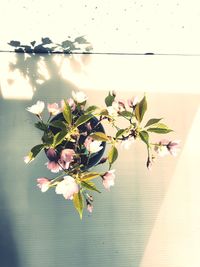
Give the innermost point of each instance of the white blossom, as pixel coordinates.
(67, 187)
(37, 108)
(79, 96)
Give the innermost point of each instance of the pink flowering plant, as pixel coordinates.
(74, 141)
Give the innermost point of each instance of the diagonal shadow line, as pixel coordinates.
(187, 121)
(149, 192)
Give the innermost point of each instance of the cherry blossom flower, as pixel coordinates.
(161, 148)
(71, 103)
(67, 187)
(73, 150)
(116, 107)
(127, 142)
(112, 111)
(121, 105)
(113, 93)
(93, 146)
(108, 179)
(166, 147)
(66, 157)
(27, 159)
(43, 184)
(37, 108)
(89, 207)
(133, 102)
(173, 147)
(53, 164)
(79, 96)
(53, 109)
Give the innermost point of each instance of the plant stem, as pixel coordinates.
(49, 119)
(88, 158)
(56, 178)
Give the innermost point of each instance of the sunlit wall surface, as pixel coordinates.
(128, 26)
(150, 218)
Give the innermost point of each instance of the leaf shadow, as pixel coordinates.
(36, 62)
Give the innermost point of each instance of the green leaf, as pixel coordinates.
(47, 138)
(90, 186)
(78, 203)
(58, 124)
(35, 150)
(41, 126)
(159, 128)
(112, 155)
(144, 137)
(59, 137)
(67, 113)
(126, 113)
(109, 100)
(90, 109)
(152, 121)
(104, 112)
(99, 136)
(89, 176)
(120, 132)
(140, 109)
(82, 119)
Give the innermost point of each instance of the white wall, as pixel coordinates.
(135, 26)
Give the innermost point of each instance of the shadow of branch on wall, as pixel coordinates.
(47, 46)
(43, 64)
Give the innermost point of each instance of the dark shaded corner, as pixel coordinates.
(8, 247)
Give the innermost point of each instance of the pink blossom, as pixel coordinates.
(89, 207)
(161, 148)
(66, 157)
(37, 108)
(43, 184)
(117, 106)
(87, 142)
(173, 147)
(71, 103)
(67, 187)
(121, 105)
(113, 93)
(53, 109)
(52, 154)
(108, 179)
(62, 104)
(166, 147)
(28, 159)
(53, 164)
(133, 102)
(93, 146)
